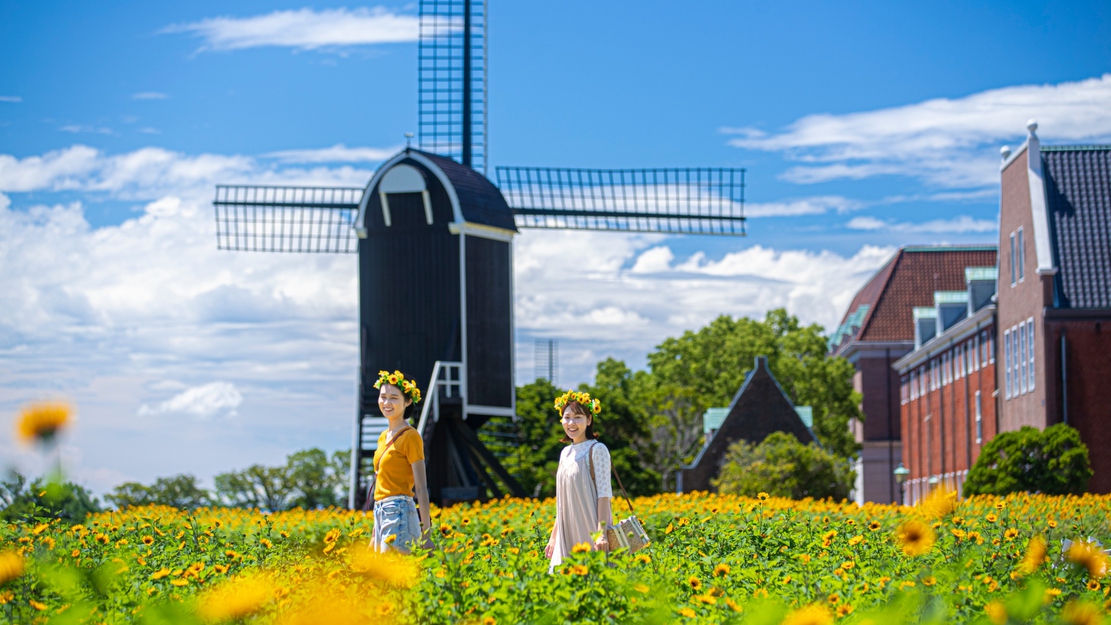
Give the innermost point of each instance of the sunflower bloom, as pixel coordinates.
(1081, 613)
(385, 567)
(915, 537)
(1035, 555)
(235, 599)
(721, 570)
(695, 583)
(997, 613)
(809, 615)
(41, 421)
(1088, 555)
(940, 502)
(11, 566)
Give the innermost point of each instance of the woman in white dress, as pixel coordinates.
(582, 497)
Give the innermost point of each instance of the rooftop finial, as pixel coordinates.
(408, 139)
(1005, 152)
(1032, 125)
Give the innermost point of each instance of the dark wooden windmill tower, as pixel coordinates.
(435, 242)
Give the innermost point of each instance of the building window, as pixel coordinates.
(960, 362)
(991, 346)
(1007, 364)
(1021, 257)
(1030, 344)
(1021, 353)
(979, 419)
(975, 353)
(1014, 279)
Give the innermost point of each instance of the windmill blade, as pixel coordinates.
(287, 219)
(670, 201)
(451, 72)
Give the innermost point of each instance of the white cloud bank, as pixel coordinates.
(338, 153)
(14, 99)
(149, 95)
(304, 29)
(957, 225)
(949, 142)
(202, 402)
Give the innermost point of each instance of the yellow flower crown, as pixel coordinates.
(583, 398)
(397, 378)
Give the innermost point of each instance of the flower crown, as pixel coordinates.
(397, 378)
(583, 398)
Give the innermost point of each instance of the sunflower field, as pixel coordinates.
(714, 559)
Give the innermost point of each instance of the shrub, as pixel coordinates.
(1052, 461)
(783, 467)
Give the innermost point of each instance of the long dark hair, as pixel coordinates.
(578, 408)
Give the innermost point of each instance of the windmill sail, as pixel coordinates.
(671, 201)
(452, 80)
(286, 219)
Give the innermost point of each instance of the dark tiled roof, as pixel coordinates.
(908, 280)
(1078, 196)
(480, 201)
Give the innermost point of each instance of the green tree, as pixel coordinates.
(707, 367)
(783, 467)
(624, 426)
(312, 478)
(1053, 461)
(537, 456)
(178, 491)
(20, 501)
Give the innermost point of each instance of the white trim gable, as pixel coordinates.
(1038, 203)
(457, 213)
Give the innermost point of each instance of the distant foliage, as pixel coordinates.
(1053, 461)
(781, 466)
(309, 479)
(20, 500)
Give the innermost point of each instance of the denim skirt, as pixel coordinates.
(397, 517)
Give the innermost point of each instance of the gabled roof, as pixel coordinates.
(480, 201)
(1078, 200)
(882, 310)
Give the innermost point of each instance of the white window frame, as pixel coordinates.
(1021, 353)
(1006, 364)
(979, 419)
(1021, 256)
(1014, 270)
(1030, 343)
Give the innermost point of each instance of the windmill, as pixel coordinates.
(434, 236)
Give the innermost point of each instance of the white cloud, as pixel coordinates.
(149, 95)
(603, 294)
(11, 98)
(947, 142)
(78, 129)
(202, 402)
(957, 225)
(304, 29)
(338, 153)
(805, 206)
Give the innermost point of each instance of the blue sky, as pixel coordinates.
(863, 127)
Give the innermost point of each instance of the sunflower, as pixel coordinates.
(874, 525)
(997, 613)
(11, 566)
(721, 570)
(809, 615)
(1010, 533)
(1090, 556)
(41, 421)
(695, 583)
(915, 537)
(1081, 613)
(236, 599)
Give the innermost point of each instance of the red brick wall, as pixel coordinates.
(1024, 299)
(1088, 369)
(940, 424)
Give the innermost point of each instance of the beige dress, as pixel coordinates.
(576, 496)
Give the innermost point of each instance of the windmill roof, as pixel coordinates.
(883, 309)
(479, 200)
(1078, 199)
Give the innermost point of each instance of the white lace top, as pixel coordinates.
(601, 456)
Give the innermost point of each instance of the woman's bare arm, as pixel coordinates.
(420, 484)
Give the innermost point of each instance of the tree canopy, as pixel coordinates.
(1053, 461)
(781, 466)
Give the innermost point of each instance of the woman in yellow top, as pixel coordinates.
(399, 470)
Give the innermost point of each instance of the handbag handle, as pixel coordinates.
(590, 455)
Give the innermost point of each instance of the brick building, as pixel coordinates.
(759, 408)
(1054, 301)
(947, 384)
(878, 329)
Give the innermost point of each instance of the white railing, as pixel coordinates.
(449, 376)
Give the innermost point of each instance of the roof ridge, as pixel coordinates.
(1088, 147)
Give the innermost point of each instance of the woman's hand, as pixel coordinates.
(602, 543)
(548, 550)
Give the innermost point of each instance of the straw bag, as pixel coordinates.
(628, 533)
